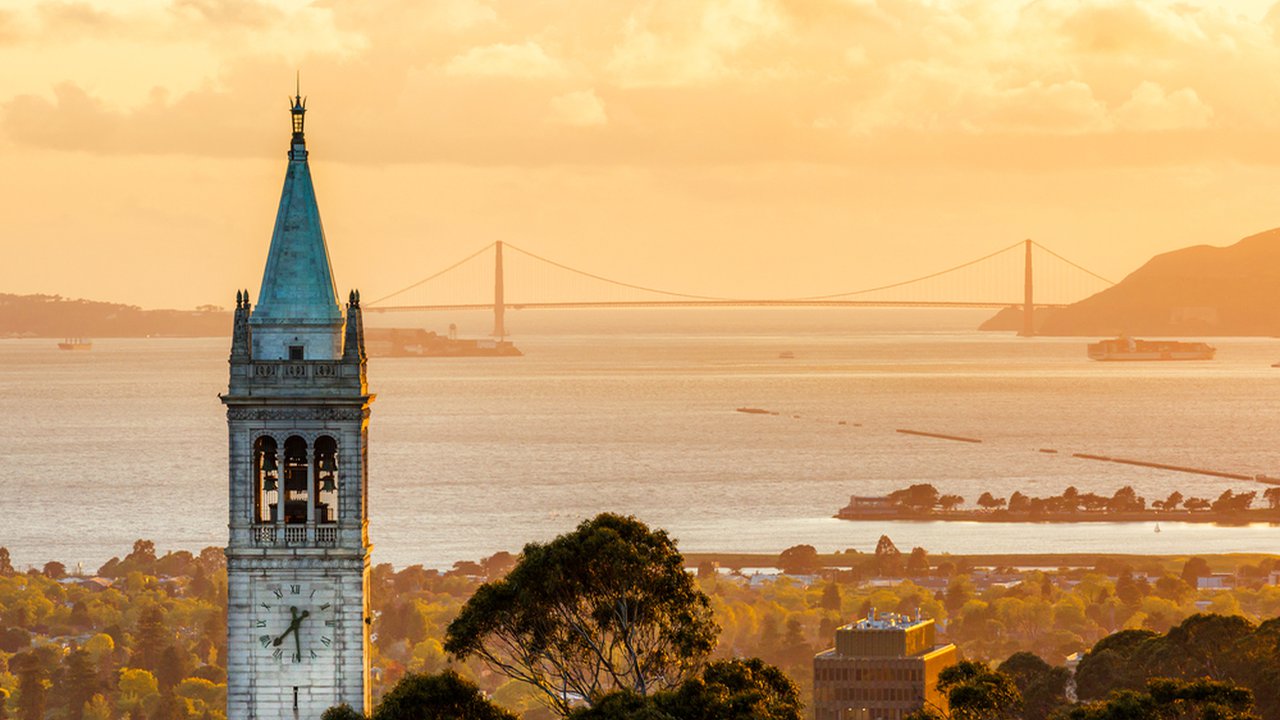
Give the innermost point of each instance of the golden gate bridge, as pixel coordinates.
(1003, 278)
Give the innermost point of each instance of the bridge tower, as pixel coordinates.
(1028, 305)
(499, 298)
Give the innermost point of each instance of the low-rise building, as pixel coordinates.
(883, 667)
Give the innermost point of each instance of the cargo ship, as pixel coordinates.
(75, 344)
(1127, 348)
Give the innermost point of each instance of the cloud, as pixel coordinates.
(581, 108)
(678, 42)
(238, 13)
(9, 30)
(840, 82)
(525, 60)
(1150, 108)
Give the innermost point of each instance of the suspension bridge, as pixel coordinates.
(1010, 276)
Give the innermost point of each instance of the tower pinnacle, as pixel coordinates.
(298, 111)
(298, 304)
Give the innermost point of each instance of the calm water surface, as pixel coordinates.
(634, 412)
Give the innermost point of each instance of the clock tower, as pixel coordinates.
(298, 418)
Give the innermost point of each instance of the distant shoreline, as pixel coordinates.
(1246, 517)
(1034, 560)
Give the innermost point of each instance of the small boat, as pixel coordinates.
(75, 344)
(1157, 527)
(1127, 348)
(786, 355)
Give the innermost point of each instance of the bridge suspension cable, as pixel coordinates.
(593, 276)
(428, 279)
(922, 278)
(682, 298)
(1077, 266)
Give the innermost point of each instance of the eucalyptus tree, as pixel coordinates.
(603, 608)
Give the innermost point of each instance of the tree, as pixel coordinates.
(1019, 503)
(79, 682)
(1173, 501)
(1230, 502)
(143, 557)
(605, 607)
(727, 690)
(173, 667)
(1043, 687)
(55, 570)
(1167, 699)
(341, 712)
(151, 639)
(975, 692)
(1195, 504)
(1126, 499)
(6, 566)
(33, 685)
(921, 496)
(989, 502)
(1113, 664)
(434, 697)
(1194, 569)
(949, 502)
(799, 560)
(1272, 496)
(96, 709)
(735, 690)
(888, 557)
(918, 561)
(886, 548)
(831, 597)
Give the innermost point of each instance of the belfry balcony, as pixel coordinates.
(310, 535)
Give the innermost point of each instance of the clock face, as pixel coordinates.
(294, 623)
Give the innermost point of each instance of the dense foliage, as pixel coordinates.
(152, 644)
(606, 607)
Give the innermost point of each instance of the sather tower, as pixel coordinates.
(298, 416)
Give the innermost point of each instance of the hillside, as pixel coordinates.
(53, 316)
(1196, 291)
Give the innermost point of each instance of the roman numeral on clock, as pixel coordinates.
(326, 641)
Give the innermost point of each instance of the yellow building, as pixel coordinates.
(882, 667)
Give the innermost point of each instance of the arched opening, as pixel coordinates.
(326, 459)
(295, 480)
(266, 473)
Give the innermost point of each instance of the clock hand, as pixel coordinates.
(297, 636)
(293, 626)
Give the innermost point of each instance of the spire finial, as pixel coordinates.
(298, 109)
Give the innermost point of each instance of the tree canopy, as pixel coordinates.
(435, 697)
(603, 608)
(726, 690)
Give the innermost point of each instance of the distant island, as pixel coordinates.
(53, 316)
(924, 502)
(1196, 291)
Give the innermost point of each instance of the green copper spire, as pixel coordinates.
(297, 286)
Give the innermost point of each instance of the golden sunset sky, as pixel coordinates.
(732, 147)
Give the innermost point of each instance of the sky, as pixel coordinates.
(743, 148)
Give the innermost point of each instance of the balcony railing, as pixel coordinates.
(269, 535)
